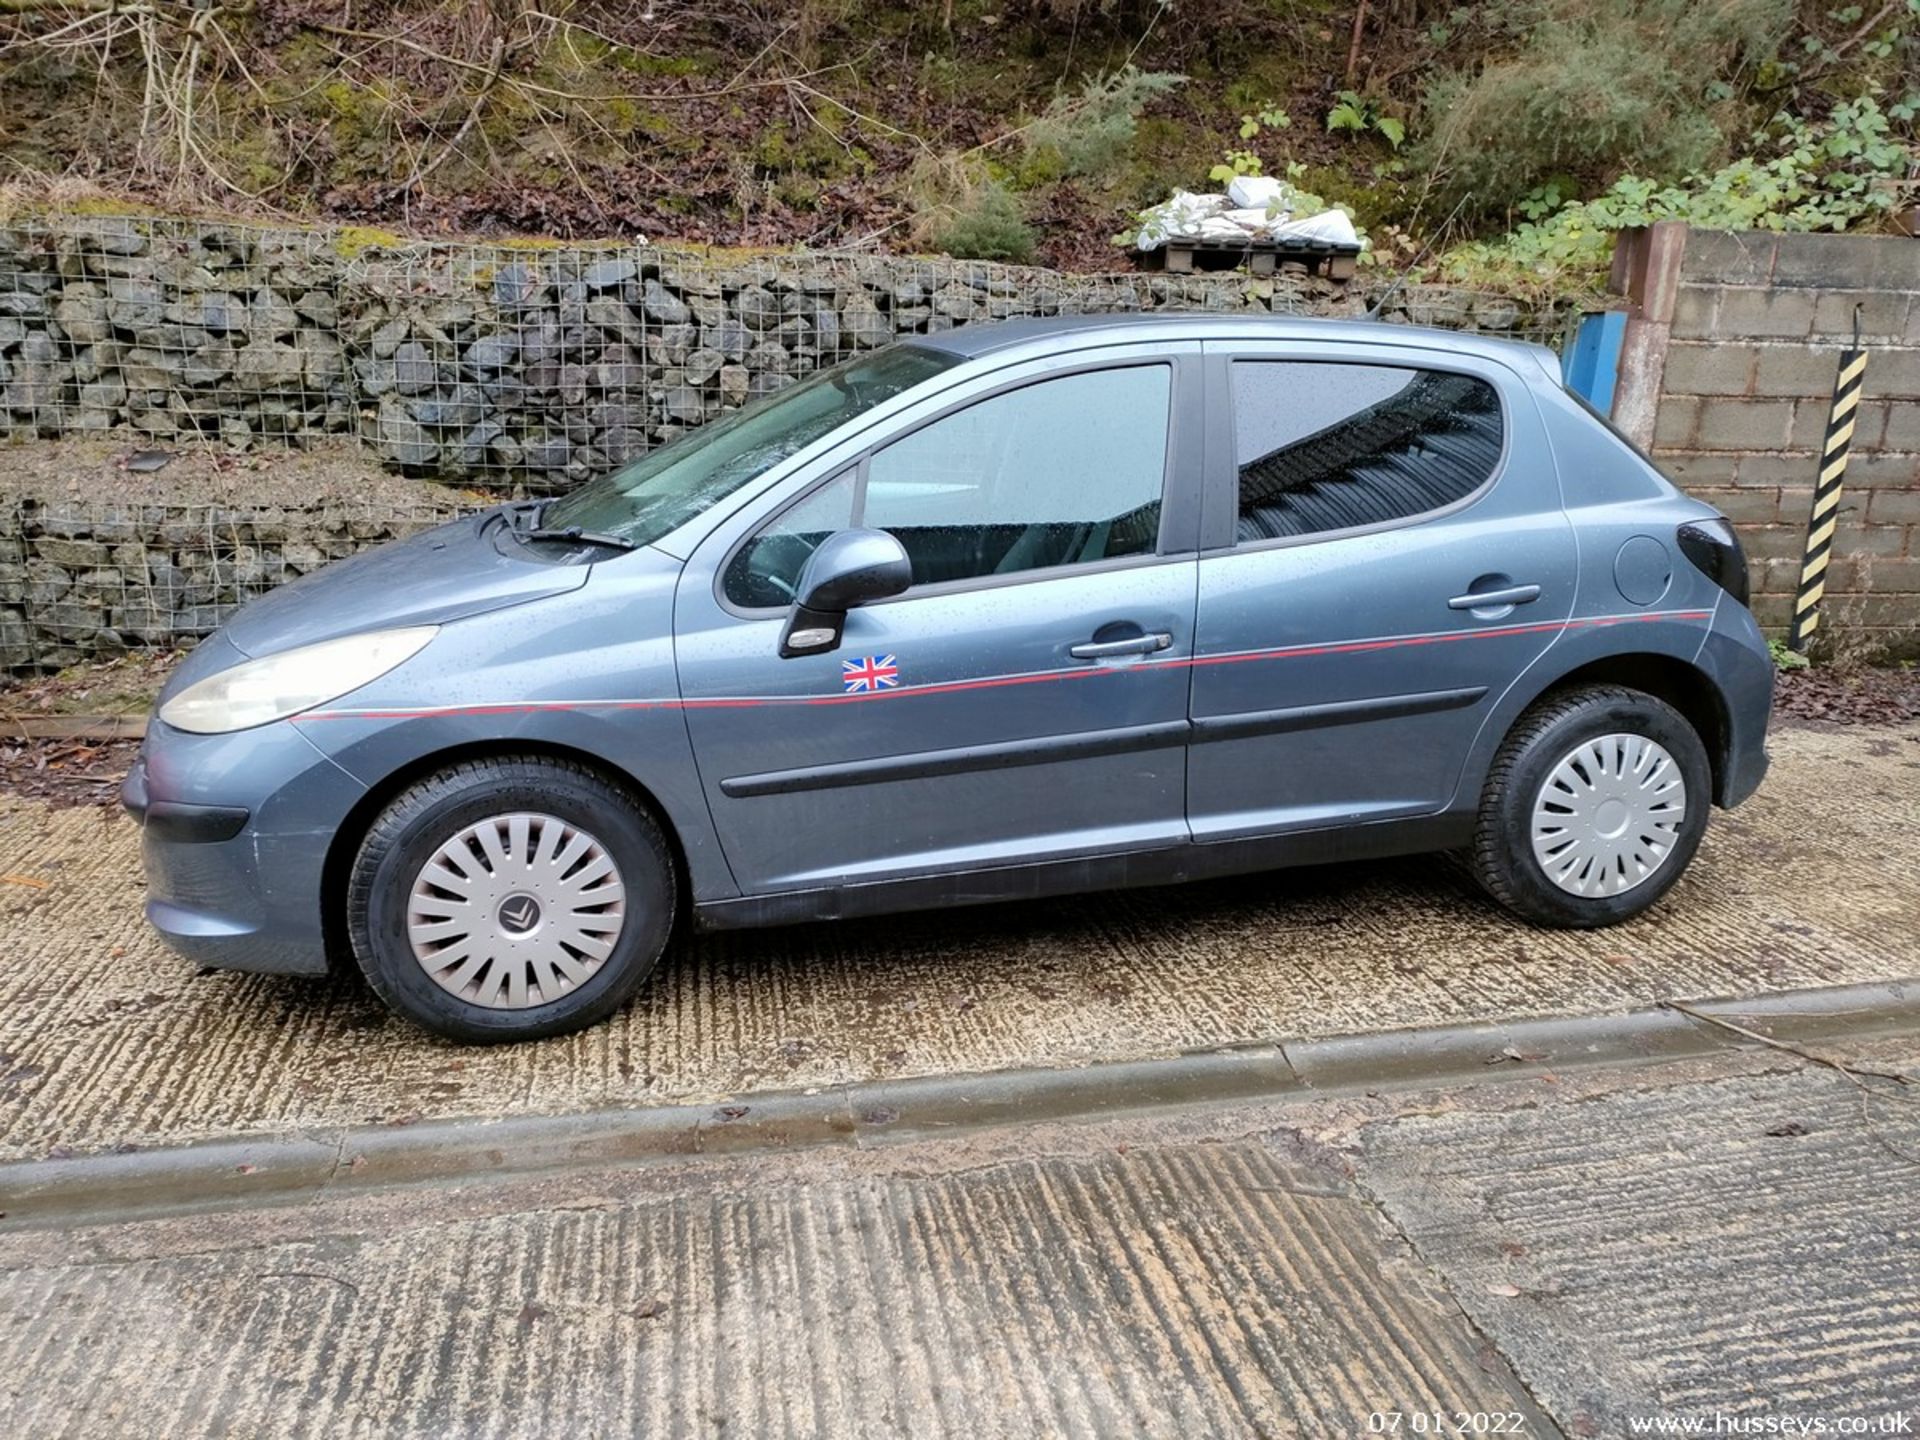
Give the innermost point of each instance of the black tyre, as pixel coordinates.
(510, 899)
(1593, 808)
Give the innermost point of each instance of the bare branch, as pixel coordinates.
(529, 87)
(1353, 46)
(473, 114)
(1852, 1072)
(38, 7)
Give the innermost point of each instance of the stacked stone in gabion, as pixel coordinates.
(533, 366)
(224, 334)
(84, 580)
(556, 366)
(541, 366)
(561, 366)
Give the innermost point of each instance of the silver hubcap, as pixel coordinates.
(516, 911)
(1609, 815)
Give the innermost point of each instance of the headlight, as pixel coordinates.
(276, 686)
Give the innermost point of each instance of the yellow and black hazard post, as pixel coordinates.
(1825, 518)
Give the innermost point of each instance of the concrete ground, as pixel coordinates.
(1555, 1255)
(109, 1041)
(1749, 1245)
(1561, 1238)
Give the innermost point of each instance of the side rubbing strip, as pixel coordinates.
(1002, 756)
(1823, 520)
(1314, 717)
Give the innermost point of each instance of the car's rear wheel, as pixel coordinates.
(506, 899)
(1594, 806)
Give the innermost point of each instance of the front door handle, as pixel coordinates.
(1494, 599)
(1132, 645)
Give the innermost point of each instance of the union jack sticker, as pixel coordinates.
(869, 673)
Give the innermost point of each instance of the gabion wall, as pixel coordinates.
(82, 580)
(528, 368)
(532, 367)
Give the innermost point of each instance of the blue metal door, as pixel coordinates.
(1389, 553)
(1024, 700)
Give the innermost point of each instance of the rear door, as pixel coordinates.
(1387, 551)
(1025, 699)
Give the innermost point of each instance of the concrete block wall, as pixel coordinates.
(1758, 324)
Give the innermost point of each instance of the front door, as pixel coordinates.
(1389, 553)
(1024, 699)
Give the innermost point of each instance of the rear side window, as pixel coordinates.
(1323, 447)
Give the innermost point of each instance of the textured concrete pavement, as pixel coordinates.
(1165, 1291)
(1550, 1257)
(1746, 1246)
(108, 1040)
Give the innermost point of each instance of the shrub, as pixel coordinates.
(1091, 133)
(987, 225)
(1799, 175)
(963, 209)
(1592, 91)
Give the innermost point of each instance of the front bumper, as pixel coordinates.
(235, 831)
(174, 820)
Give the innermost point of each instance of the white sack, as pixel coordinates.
(1330, 227)
(1224, 227)
(1254, 221)
(1179, 217)
(1188, 216)
(1266, 193)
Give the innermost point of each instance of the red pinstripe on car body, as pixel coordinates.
(951, 687)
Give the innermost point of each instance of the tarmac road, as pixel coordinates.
(107, 1040)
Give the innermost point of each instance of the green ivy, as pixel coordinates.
(1785, 657)
(1801, 175)
(1357, 113)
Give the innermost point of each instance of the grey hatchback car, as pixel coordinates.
(1013, 610)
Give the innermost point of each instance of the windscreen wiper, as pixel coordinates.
(575, 535)
(515, 513)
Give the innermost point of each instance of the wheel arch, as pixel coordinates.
(347, 837)
(1684, 686)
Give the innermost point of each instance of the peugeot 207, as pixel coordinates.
(1008, 611)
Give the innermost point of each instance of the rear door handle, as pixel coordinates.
(1491, 599)
(1132, 645)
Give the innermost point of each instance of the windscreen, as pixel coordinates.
(669, 486)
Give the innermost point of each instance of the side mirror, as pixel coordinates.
(850, 568)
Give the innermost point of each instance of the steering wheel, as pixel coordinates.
(764, 562)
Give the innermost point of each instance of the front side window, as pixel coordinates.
(765, 570)
(1326, 447)
(1060, 472)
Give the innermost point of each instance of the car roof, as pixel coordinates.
(975, 340)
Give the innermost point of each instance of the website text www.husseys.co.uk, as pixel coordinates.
(1892, 1422)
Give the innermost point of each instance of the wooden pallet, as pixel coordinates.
(1261, 257)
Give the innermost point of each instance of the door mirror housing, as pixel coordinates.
(851, 567)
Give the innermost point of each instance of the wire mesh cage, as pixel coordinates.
(524, 366)
(512, 368)
(83, 580)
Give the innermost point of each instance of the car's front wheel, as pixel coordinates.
(507, 899)
(1593, 808)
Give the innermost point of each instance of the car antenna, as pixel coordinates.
(1373, 311)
